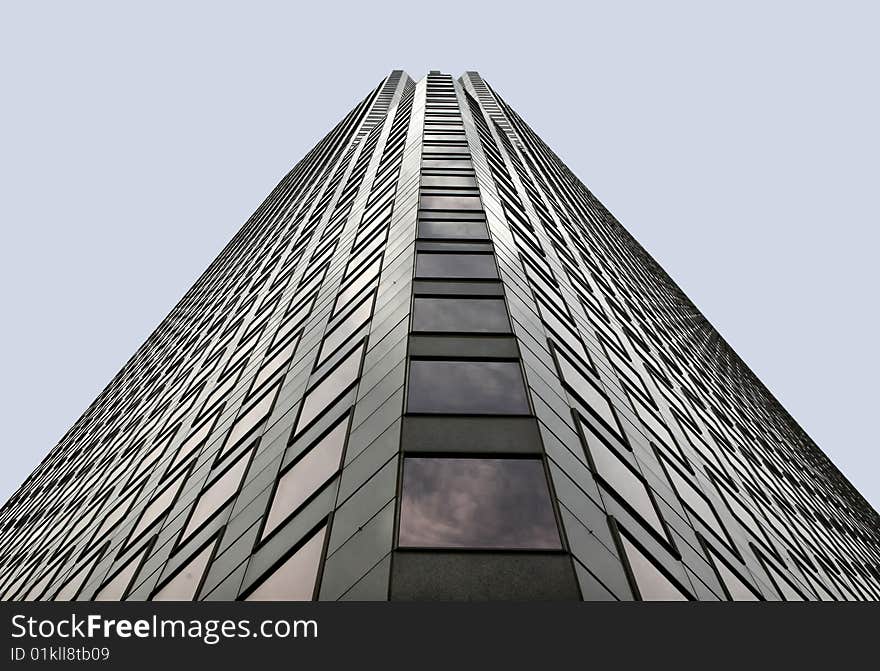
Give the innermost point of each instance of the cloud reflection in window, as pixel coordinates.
(467, 387)
(476, 503)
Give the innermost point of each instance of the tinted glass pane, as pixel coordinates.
(452, 229)
(467, 387)
(587, 390)
(276, 363)
(344, 330)
(71, 587)
(118, 585)
(320, 397)
(449, 181)
(217, 494)
(477, 503)
(355, 286)
(455, 164)
(696, 502)
(473, 315)
(183, 586)
(653, 584)
(159, 506)
(622, 480)
(563, 331)
(477, 266)
(450, 203)
(195, 439)
(294, 580)
(736, 587)
(251, 417)
(114, 516)
(306, 476)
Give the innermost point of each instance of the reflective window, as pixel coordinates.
(453, 229)
(562, 330)
(195, 440)
(448, 163)
(363, 279)
(467, 387)
(222, 389)
(737, 590)
(697, 503)
(450, 203)
(476, 503)
(157, 507)
(295, 579)
(788, 592)
(586, 389)
(652, 583)
(249, 419)
(307, 475)
(151, 457)
(660, 431)
(184, 585)
(466, 315)
(369, 248)
(115, 516)
(216, 495)
(73, 584)
(327, 390)
(276, 363)
(462, 266)
(118, 585)
(348, 327)
(622, 480)
(448, 181)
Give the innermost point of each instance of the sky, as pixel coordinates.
(738, 144)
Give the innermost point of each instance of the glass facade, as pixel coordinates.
(432, 365)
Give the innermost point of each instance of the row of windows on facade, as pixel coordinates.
(310, 472)
(678, 414)
(319, 460)
(696, 496)
(235, 245)
(248, 419)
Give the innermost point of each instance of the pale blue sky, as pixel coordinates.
(740, 146)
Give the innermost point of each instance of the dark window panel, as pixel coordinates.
(652, 583)
(450, 203)
(623, 481)
(458, 266)
(466, 315)
(453, 229)
(184, 585)
(217, 495)
(476, 503)
(321, 396)
(306, 476)
(467, 387)
(294, 579)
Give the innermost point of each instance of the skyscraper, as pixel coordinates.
(433, 366)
